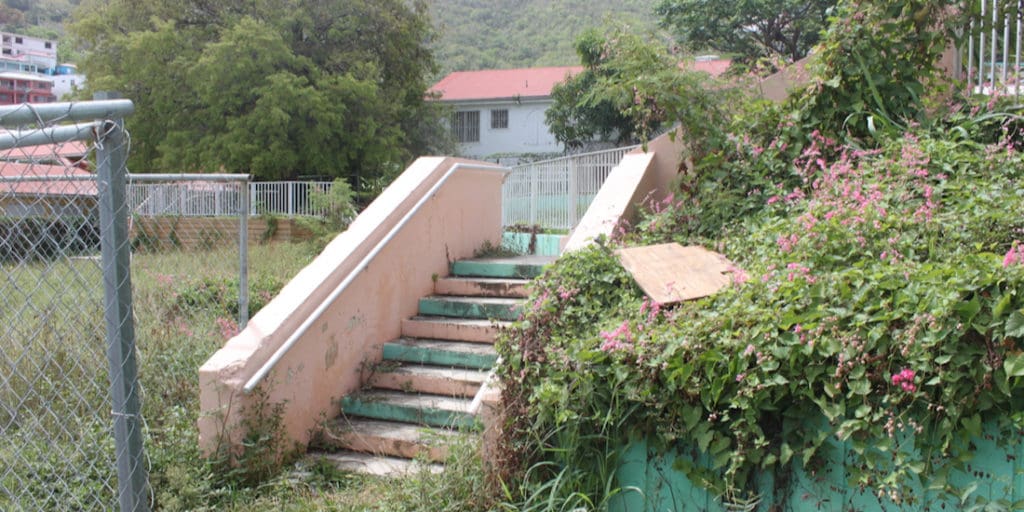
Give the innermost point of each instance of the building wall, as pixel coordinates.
(64, 85)
(526, 133)
(42, 52)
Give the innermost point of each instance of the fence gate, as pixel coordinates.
(70, 426)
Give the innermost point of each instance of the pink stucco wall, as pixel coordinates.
(328, 361)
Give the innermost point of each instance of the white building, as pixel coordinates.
(66, 79)
(500, 113)
(35, 51)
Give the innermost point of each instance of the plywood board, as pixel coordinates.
(670, 273)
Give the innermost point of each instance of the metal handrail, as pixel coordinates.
(624, 149)
(260, 374)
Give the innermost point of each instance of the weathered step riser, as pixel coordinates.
(481, 287)
(403, 381)
(469, 307)
(477, 331)
(403, 413)
(439, 354)
(390, 447)
(507, 268)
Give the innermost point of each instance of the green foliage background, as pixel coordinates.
(278, 89)
(495, 34)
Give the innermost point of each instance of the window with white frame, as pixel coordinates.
(466, 126)
(499, 118)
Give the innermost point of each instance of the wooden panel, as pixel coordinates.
(670, 273)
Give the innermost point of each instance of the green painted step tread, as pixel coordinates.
(499, 308)
(526, 267)
(418, 409)
(464, 354)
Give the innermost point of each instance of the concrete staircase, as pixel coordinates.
(422, 393)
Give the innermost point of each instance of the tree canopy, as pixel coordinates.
(276, 88)
(753, 28)
(629, 88)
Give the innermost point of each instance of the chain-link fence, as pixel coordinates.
(188, 217)
(68, 374)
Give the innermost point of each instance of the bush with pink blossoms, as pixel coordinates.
(893, 311)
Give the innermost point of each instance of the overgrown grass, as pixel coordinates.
(59, 440)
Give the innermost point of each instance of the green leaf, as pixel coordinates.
(704, 439)
(691, 416)
(1015, 325)
(860, 387)
(1014, 365)
(968, 309)
(785, 453)
(1000, 307)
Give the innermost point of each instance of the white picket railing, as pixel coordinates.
(215, 199)
(992, 53)
(555, 193)
(287, 197)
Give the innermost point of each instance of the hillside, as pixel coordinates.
(494, 34)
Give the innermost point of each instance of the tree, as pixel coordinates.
(578, 117)
(630, 88)
(275, 88)
(752, 28)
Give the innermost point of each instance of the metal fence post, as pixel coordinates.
(243, 257)
(111, 172)
(573, 192)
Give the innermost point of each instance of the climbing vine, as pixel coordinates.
(877, 305)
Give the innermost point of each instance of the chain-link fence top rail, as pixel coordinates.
(59, 370)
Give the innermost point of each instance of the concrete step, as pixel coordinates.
(481, 287)
(387, 438)
(441, 353)
(417, 409)
(481, 308)
(377, 465)
(520, 267)
(435, 380)
(457, 329)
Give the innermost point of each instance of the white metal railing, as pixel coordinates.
(993, 47)
(199, 198)
(555, 193)
(287, 197)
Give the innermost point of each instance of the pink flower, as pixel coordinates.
(749, 350)
(740, 376)
(905, 380)
(1014, 256)
(228, 327)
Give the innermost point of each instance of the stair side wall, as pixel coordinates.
(337, 352)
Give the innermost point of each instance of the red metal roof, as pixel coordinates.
(45, 187)
(72, 149)
(491, 84)
(502, 83)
